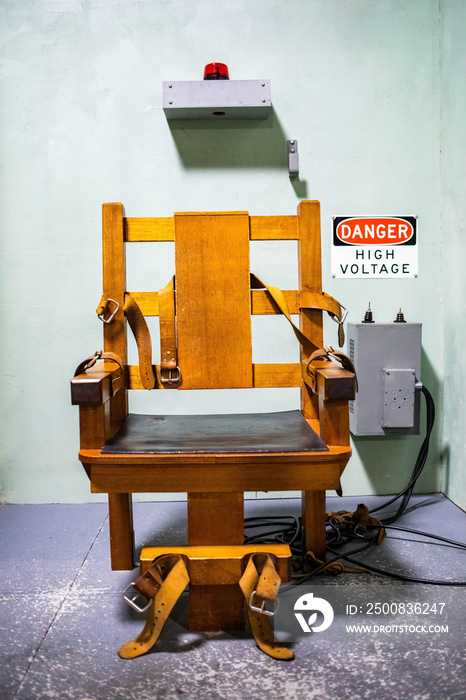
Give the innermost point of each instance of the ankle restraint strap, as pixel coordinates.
(260, 583)
(160, 587)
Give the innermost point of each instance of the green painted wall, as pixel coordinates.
(356, 83)
(453, 68)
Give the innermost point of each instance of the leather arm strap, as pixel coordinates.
(328, 353)
(163, 584)
(117, 382)
(170, 374)
(260, 583)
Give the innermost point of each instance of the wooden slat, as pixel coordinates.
(145, 229)
(273, 228)
(162, 228)
(261, 304)
(114, 285)
(310, 279)
(213, 301)
(211, 213)
(277, 375)
(264, 376)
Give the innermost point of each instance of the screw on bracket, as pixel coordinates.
(293, 159)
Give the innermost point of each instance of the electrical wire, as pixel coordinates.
(399, 577)
(418, 466)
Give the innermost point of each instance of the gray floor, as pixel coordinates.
(63, 618)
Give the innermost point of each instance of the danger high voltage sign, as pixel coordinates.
(374, 246)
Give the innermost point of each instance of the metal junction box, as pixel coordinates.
(387, 359)
(217, 99)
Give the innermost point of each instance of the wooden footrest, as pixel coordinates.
(217, 565)
(215, 598)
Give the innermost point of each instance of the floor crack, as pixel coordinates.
(60, 605)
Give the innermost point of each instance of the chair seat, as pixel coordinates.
(285, 431)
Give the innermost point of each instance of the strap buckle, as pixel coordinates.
(174, 376)
(103, 307)
(340, 321)
(132, 601)
(343, 316)
(262, 610)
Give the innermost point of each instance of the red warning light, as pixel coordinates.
(216, 71)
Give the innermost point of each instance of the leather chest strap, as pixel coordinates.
(169, 374)
(322, 302)
(259, 584)
(138, 325)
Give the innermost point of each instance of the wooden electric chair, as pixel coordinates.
(205, 327)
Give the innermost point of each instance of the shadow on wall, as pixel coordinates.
(234, 143)
(389, 460)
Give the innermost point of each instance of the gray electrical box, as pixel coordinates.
(387, 359)
(217, 99)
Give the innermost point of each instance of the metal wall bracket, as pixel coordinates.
(293, 159)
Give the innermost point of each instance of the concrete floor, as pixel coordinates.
(63, 618)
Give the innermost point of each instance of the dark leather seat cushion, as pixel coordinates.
(286, 431)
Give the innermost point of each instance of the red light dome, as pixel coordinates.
(216, 71)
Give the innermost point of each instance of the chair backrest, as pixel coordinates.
(214, 299)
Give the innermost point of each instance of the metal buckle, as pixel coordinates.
(262, 609)
(343, 318)
(112, 315)
(170, 379)
(132, 601)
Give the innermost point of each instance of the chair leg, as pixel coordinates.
(215, 519)
(120, 514)
(313, 511)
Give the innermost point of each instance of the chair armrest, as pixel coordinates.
(330, 382)
(97, 385)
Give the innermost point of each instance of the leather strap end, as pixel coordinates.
(149, 584)
(101, 306)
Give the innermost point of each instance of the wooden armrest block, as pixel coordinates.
(217, 565)
(97, 385)
(336, 383)
(331, 381)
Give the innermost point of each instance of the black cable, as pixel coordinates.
(423, 534)
(338, 556)
(398, 576)
(419, 464)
